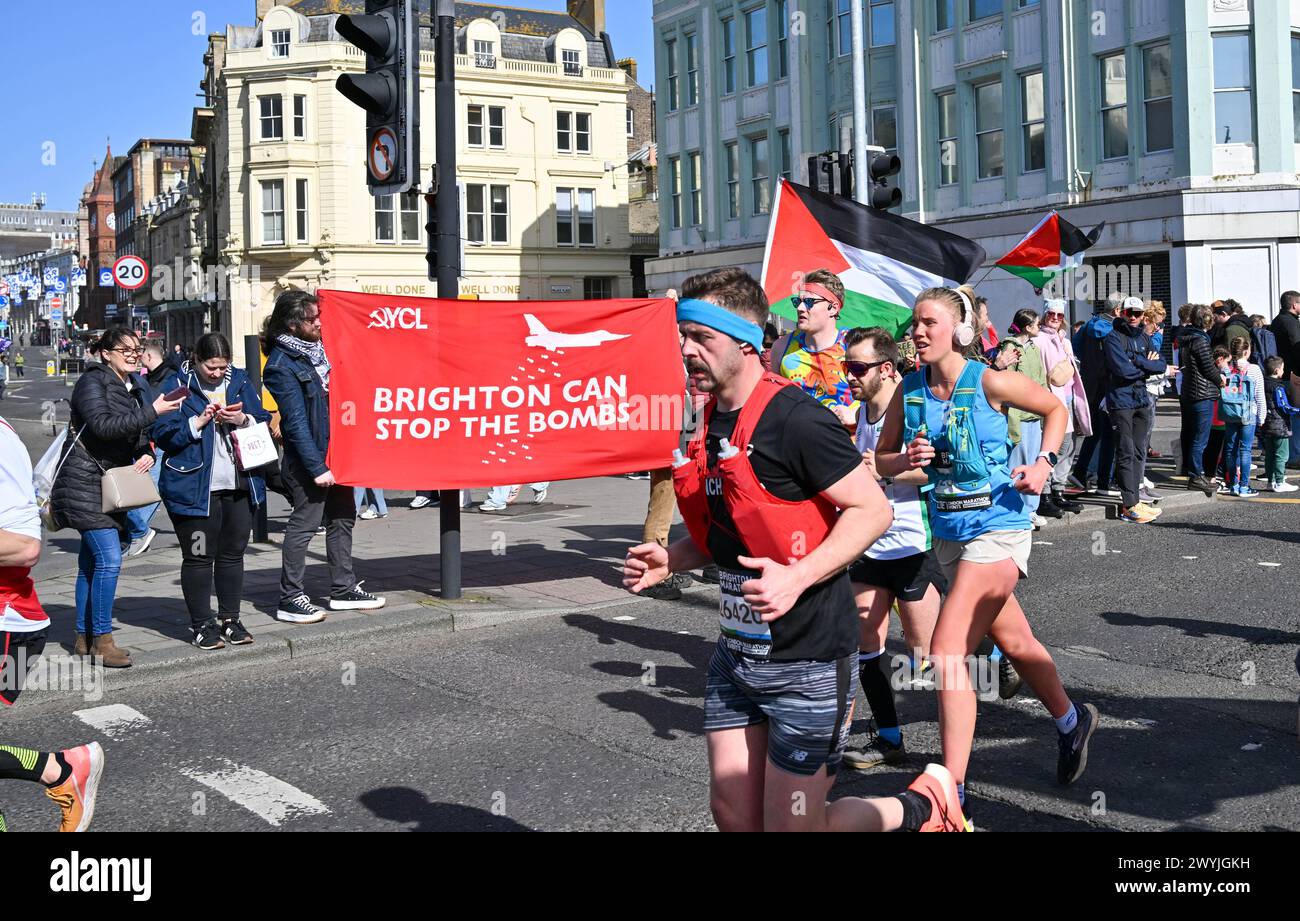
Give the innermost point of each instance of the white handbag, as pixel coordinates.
(254, 446)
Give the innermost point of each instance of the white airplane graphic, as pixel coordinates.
(543, 338)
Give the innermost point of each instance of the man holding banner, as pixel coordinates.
(776, 494)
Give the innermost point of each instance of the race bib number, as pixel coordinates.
(742, 628)
(949, 498)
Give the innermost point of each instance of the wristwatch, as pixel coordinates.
(1051, 457)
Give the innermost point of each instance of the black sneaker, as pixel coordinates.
(1204, 485)
(877, 751)
(234, 633)
(299, 610)
(669, 589)
(1048, 508)
(356, 600)
(207, 635)
(1074, 746)
(1009, 680)
(1066, 504)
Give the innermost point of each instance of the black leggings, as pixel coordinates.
(215, 544)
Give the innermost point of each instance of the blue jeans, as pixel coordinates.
(359, 496)
(1025, 453)
(1238, 441)
(98, 566)
(499, 494)
(137, 520)
(1197, 416)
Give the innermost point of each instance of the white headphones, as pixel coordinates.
(963, 334)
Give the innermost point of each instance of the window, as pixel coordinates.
(474, 124)
(733, 181)
(988, 130)
(983, 9)
(273, 211)
(585, 200)
(884, 128)
(670, 54)
(1158, 98)
(583, 133)
(597, 289)
(692, 73)
(475, 214)
(272, 117)
(485, 54)
(756, 46)
(945, 15)
(787, 163)
(1028, 3)
(300, 202)
(1033, 139)
(279, 43)
(783, 39)
(300, 117)
(411, 216)
(1114, 107)
(675, 191)
(882, 23)
(844, 26)
(697, 206)
(1233, 118)
(384, 230)
(1295, 85)
(572, 63)
(728, 56)
(564, 132)
(500, 214)
(760, 183)
(631, 130)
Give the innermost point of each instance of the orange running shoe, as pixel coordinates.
(76, 795)
(936, 785)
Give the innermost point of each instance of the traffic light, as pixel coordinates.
(389, 91)
(882, 167)
(831, 172)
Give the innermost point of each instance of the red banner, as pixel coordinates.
(435, 394)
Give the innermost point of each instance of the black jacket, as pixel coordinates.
(1286, 329)
(114, 426)
(1127, 367)
(1201, 378)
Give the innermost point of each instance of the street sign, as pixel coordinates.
(383, 154)
(49, 369)
(79, 277)
(106, 278)
(51, 276)
(4, 301)
(4, 287)
(56, 303)
(131, 272)
(60, 285)
(56, 316)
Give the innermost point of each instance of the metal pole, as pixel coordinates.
(861, 169)
(448, 257)
(253, 367)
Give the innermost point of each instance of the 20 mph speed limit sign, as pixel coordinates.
(130, 272)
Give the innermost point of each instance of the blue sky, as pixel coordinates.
(75, 73)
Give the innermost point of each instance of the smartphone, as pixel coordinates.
(179, 393)
(233, 408)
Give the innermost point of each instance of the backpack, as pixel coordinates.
(970, 468)
(1263, 345)
(1237, 397)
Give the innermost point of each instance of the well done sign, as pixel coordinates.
(433, 394)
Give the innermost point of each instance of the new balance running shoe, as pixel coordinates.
(76, 795)
(877, 751)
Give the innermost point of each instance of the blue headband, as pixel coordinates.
(724, 321)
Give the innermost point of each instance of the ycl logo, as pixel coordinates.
(397, 318)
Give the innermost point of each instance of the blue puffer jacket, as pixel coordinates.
(304, 408)
(186, 480)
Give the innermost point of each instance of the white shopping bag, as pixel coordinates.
(254, 446)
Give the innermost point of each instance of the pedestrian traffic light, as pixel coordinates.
(389, 91)
(883, 166)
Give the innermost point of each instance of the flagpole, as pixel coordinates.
(985, 275)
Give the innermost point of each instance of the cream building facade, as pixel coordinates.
(542, 131)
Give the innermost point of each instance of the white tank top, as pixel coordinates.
(910, 532)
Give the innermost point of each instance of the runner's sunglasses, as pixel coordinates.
(808, 302)
(859, 368)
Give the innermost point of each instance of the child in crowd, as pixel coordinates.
(1212, 460)
(1277, 426)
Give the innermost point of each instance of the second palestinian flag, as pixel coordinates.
(884, 260)
(1051, 248)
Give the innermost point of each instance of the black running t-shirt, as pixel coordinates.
(800, 449)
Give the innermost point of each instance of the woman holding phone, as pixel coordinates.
(209, 498)
(110, 424)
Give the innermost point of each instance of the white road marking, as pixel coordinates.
(113, 720)
(1044, 543)
(1272, 565)
(625, 617)
(1251, 747)
(1189, 557)
(267, 797)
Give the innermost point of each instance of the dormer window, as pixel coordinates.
(485, 54)
(280, 43)
(572, 64)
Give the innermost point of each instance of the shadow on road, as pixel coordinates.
(404, 805)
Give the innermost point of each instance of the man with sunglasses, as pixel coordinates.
(900, 565)
(811, 355)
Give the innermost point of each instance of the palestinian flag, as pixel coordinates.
(1051, 248)
(883, 259)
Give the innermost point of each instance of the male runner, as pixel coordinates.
(70, 777)
(781, 684)
(811, 355)
(900, 565)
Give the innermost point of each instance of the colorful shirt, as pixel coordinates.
(818, 373)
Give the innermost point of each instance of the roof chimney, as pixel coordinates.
(591, 13)
(264, 7)
(628, 66)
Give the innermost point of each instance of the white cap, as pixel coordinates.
(1133, 304)
(1055, 305)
